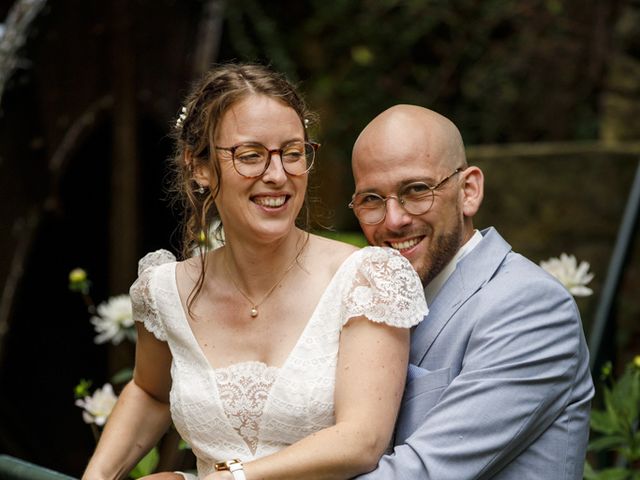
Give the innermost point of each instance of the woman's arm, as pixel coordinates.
(370, 376)
(141, 414)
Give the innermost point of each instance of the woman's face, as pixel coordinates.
(262, 208)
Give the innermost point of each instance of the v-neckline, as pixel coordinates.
(306, 328)
(211, 370)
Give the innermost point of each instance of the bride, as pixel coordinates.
(281, 354)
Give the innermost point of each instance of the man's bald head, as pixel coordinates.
(413, 124)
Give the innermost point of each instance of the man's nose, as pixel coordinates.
(396, 216)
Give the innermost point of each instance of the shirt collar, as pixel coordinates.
(434, 286)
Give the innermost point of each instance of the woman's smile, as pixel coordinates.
(270, 201)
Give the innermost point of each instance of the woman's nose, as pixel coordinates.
(275, 172)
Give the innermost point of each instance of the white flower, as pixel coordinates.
(114, 321)
(573, 276)
(97, 407)
(216, 238)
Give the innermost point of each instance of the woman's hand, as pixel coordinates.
(222, 475)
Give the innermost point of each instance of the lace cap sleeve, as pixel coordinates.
(385, 288)
(143, 302)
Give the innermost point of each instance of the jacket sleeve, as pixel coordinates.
(522, 363)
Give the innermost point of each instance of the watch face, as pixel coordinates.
(226, 465)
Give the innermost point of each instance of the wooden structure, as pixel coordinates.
(87, 92)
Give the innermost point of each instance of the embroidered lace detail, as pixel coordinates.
(142, 300)
(154, 259)
(244, 389)
(385, 290)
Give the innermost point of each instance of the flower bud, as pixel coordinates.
(77, 275)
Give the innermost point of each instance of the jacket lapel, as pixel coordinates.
(471, 273)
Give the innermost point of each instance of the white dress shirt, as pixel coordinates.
(434, 286)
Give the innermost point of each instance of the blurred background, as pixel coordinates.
(545, 92)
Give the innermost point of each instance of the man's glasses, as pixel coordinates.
(251, 160)
(416, 198)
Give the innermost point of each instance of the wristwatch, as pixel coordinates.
(234, 466)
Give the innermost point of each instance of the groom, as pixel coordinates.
(498, 384)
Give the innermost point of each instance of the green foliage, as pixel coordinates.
(82, 389)
(122, 376)
(147, 465)
(354, 238)
(616, 425)
(492, 65)
(502, 70)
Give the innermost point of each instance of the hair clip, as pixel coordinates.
(181, 117)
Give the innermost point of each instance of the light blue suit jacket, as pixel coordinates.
(499, 384)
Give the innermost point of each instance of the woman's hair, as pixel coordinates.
(194, 133)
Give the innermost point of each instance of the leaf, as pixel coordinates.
(612, 409)
(123, 375)
(625, 397)
(613, 474)
(635, 447)
(601, 422)
(147, 465)
(589, 473)
(182, 445)
(606, 443)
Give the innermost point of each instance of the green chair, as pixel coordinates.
(12, 468)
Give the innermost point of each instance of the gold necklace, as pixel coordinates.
(254, 309)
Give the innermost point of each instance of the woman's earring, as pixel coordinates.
(201, 190)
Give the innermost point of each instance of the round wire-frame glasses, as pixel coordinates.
(416, 198)
(251, 160)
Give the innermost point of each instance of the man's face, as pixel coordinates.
(429, 241)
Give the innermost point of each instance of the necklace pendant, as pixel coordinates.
(254, 312)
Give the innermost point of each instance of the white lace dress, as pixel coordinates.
(249, 409)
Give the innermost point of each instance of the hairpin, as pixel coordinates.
(181, 117)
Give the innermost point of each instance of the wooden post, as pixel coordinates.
(124, 221)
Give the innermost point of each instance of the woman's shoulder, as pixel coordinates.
(332, 253)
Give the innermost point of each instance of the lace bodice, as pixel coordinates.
(249, 409)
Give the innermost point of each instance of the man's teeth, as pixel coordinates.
(270, 201)
(405, 244)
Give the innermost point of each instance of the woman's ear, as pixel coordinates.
(472, 190)
(199, 171)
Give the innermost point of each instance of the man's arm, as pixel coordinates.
(517, 376)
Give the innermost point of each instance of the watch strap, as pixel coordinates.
(237, 470)
(233, 466)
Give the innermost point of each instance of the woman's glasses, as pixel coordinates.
(251, 160)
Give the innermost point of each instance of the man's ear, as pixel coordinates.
(472, 190)
(199, 171)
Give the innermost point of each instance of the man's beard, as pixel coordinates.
(444, 249)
